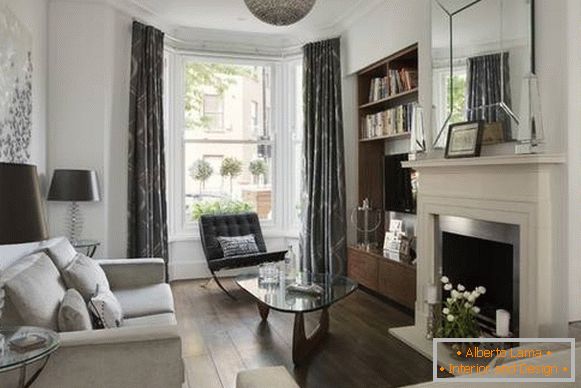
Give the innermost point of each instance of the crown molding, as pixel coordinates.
(247, 42)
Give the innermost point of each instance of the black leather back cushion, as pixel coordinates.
(228, 225)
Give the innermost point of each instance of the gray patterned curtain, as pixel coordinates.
(323, 236)
(147, 197)
(485, 82)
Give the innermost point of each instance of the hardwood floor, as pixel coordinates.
(221, 336)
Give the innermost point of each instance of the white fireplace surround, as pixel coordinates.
(528, 191)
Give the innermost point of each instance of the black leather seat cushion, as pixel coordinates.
(245, 260)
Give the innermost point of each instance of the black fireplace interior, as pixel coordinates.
(477, 262)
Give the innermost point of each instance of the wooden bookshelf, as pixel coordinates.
(391, 279)
(372, 148)
(391, 101)
(404, 135)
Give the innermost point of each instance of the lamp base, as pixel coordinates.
(74, 222)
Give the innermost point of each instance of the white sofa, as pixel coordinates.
(144, 352)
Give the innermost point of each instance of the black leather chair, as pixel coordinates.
(232, 225)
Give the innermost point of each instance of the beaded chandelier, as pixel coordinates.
(280, 12)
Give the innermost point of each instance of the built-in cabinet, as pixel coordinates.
(392, 279)
(387, 99)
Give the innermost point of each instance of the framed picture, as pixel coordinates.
(464, 139)
(493, 133)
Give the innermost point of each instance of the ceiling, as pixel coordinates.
(232, 15)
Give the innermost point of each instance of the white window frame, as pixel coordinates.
(282, 129)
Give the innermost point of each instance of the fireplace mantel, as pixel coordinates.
(522, 190)
(487, 161)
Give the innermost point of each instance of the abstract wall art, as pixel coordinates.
(15, 89)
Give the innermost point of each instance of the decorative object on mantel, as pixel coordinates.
(464, 139)
(280, 12)
(367, 220)
(529, 142)
(21, 211)
(74, 186)
(417, 137)
(459, 313)
(431, 300)
(502, 323)
(15, 89)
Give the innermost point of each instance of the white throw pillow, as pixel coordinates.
(33, 291)
(60, 251)
(106, 307)
(85, 276)
(73, 313)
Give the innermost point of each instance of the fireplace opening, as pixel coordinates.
(481, 253)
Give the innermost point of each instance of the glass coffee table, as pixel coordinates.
(275, 296)
(12, 358)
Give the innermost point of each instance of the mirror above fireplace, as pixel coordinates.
(482, 64)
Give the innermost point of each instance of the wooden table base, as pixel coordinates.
(263, 310)
(303, 345)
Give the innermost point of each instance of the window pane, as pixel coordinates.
(219, 173)
(227, 101)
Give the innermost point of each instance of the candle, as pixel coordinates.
(431, 294)
(502, 323)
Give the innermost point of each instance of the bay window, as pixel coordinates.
(233, 137)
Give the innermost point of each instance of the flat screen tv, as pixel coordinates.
(399, 190)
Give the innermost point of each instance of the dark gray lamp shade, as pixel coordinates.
(21, 211)
(74, 186)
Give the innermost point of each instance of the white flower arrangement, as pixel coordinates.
(459, 311)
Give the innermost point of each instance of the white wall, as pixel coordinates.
(33, 14)
(89, 60)
(574, 155)
(395, 24)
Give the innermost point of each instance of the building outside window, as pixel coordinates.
(212, 117)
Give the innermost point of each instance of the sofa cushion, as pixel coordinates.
(73, 313)
(151, 320)
(106, 307)
(61, 252)
(34, 291)
(150, 300)
(273, 376)
(86, 276)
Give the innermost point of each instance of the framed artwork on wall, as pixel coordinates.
(15, 88)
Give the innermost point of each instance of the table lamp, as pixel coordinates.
(21, 211)
(74, 186)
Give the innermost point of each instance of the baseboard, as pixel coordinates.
(182, 271)
(199, 270)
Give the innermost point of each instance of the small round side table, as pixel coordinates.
(89, 246)
(12, 358)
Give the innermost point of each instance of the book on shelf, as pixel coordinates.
(402, 80)
(378, 89)
(389, 122)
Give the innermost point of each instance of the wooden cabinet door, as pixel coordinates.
(363, 268)
(397, 282)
